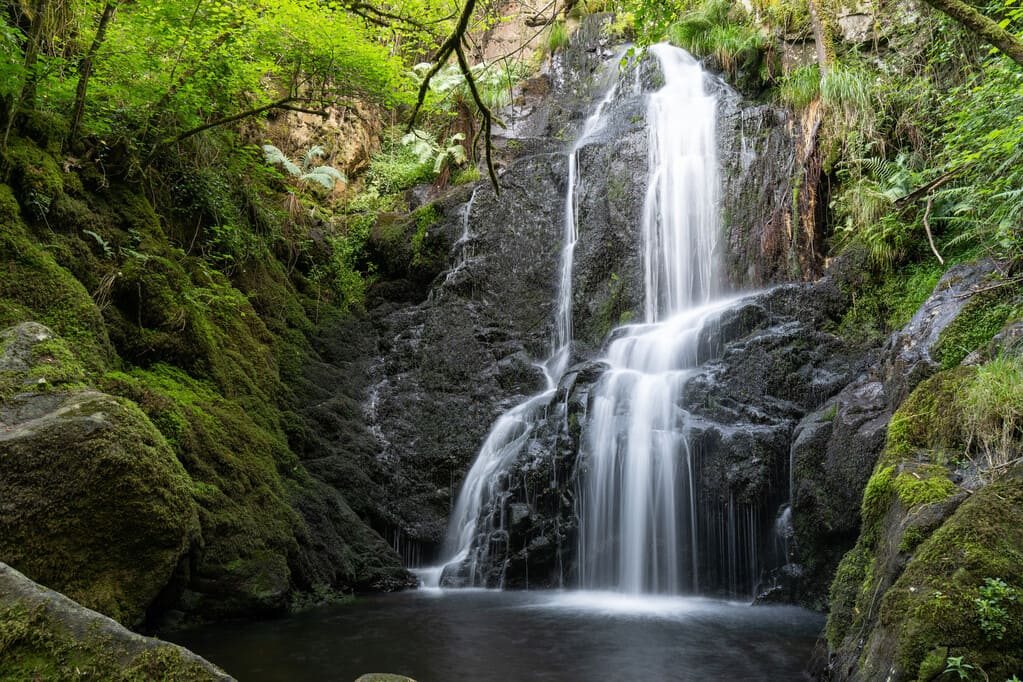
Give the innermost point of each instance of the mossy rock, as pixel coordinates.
(982, 318)
(904, 599)
(933, 607)
(235, 465)
(46, 636)
(930, 419)
(37, 177)
(33, 286)
(96, 504)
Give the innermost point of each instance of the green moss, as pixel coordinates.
(976, 324)
(923, 485)
(37, 178)
(425, 218)
(932, 603)
(99, 504)
(35, 646)
(33, 286)
(10, 211)
(845, 590)
(877, 497)
(235, 463)
(884, 303)
(930, 419)
(911, 539)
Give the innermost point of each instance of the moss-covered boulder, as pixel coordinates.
(936, 575)
(46, 636)
(94, 501)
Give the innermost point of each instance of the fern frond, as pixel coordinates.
(275, 156)
(422, 145)
(325, 176)
(310, 156)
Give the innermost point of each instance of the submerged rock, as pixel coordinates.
(47, 636)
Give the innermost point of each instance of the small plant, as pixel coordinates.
(991, 607)
(801, 87)
(954, 664)
(993, 408)
(557, 37)
(449, 154)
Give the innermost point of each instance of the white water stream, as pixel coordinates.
(637, 507)
(636, 504)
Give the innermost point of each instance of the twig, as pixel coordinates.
(927, 228)
(905, 201)
(1008, 282)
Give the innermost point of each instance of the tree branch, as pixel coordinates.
(453, 45)
(987, 29)
(285, 103)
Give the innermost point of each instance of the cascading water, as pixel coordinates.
(639, 522)
(514, 429)
(641, 528)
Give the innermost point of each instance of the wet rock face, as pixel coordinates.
(765, 364)
(439, 363)
(758, 146)
(836, 446)
(437, 372)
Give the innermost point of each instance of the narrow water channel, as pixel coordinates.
(490, 636)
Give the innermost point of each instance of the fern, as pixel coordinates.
(310, 156)
(421, 144)
(325, 176)
(275, 157)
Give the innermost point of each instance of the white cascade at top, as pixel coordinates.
(639, 517)
(680, 220)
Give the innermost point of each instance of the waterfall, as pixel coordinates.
(637, 501)
(642, 527)
(514, 429)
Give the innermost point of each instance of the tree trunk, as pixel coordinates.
(85, 71)
(986, 29)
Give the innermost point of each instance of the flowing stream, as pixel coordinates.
(514, 429)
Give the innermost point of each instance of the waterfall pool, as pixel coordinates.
(492, 636)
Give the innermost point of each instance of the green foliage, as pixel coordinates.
(494, 81)
(440, 156)
(991, 605)
(710, 30)
(622, 28)
(954, 664)
(982, 142)
(322, 176)
(887, 302)
(800, 87)
(397, 166)
(993, 409)
(557, 37)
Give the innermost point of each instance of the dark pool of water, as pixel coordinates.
(482, 636)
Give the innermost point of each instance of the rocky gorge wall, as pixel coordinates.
(452, 353)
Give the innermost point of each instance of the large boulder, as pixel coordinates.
(47, 636)
(92, 498)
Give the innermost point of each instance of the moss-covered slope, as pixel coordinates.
(197, 337)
